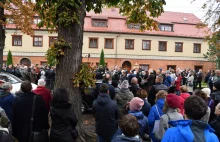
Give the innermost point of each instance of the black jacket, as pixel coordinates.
(134, 88)
(216, 125)
(106, 115)
(216, 97)
(21, 115)
(151, 80)
(154, 90)
(63, 122)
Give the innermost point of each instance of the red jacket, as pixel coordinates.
(178, 82)
(183, 96)
(45, 93)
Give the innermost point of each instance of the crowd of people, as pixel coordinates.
(167, 106)
(156, 106)
(33, 73)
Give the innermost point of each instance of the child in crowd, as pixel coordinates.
(130, 129)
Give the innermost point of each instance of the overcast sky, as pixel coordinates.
(186, 6)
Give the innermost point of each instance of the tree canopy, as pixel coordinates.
(59, 12)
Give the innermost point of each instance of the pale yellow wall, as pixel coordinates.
(187, 45)
(27, 44)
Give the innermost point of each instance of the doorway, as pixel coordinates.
(196, 68)
(172, 67)
(25, 61)
(126, 65)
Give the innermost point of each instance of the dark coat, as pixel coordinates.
(21, 115)
(146, 107)
(45, 93)
(215, 124)
(134, 88)
(154, 90)
(106, 115)
(151, 80)
(216, 97)
(63, 122)
(110, 87)
(6, 101)
(143, 123)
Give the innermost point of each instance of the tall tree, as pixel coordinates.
(2, 32)
(102, 59)
(67, 17)
(9, 58)
(22, 15)
(212, 20)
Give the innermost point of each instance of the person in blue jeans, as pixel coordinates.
(106, 114)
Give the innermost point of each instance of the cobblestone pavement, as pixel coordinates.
(89, 121)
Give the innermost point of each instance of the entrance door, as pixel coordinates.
(126, 65)
(172, 67)
(25, 61)
(196, 68)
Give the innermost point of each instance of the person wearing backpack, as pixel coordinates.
(172, 103)
(135, 106)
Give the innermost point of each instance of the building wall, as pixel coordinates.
(27, 41)
(116, 56)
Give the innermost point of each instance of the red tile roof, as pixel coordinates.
(117, 23)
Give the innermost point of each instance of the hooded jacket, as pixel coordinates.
(143, 122)
(171, 115)
(183, 96)
(6, 102)
(106, 115)
(63, 122)
(189, 131)
(122, 97)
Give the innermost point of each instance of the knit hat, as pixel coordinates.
(124, 84)
(136, 104)
(217, 84)
(207, 91)
(173, 100)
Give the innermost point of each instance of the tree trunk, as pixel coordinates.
(70, 64)
(2, 34)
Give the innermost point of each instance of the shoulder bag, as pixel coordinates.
(157, 122)
(37, 136)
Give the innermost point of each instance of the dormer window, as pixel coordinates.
(36, 21)
(99, 23)
(166, 27)
(134, 26)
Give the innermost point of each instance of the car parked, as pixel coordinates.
(15, 81)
